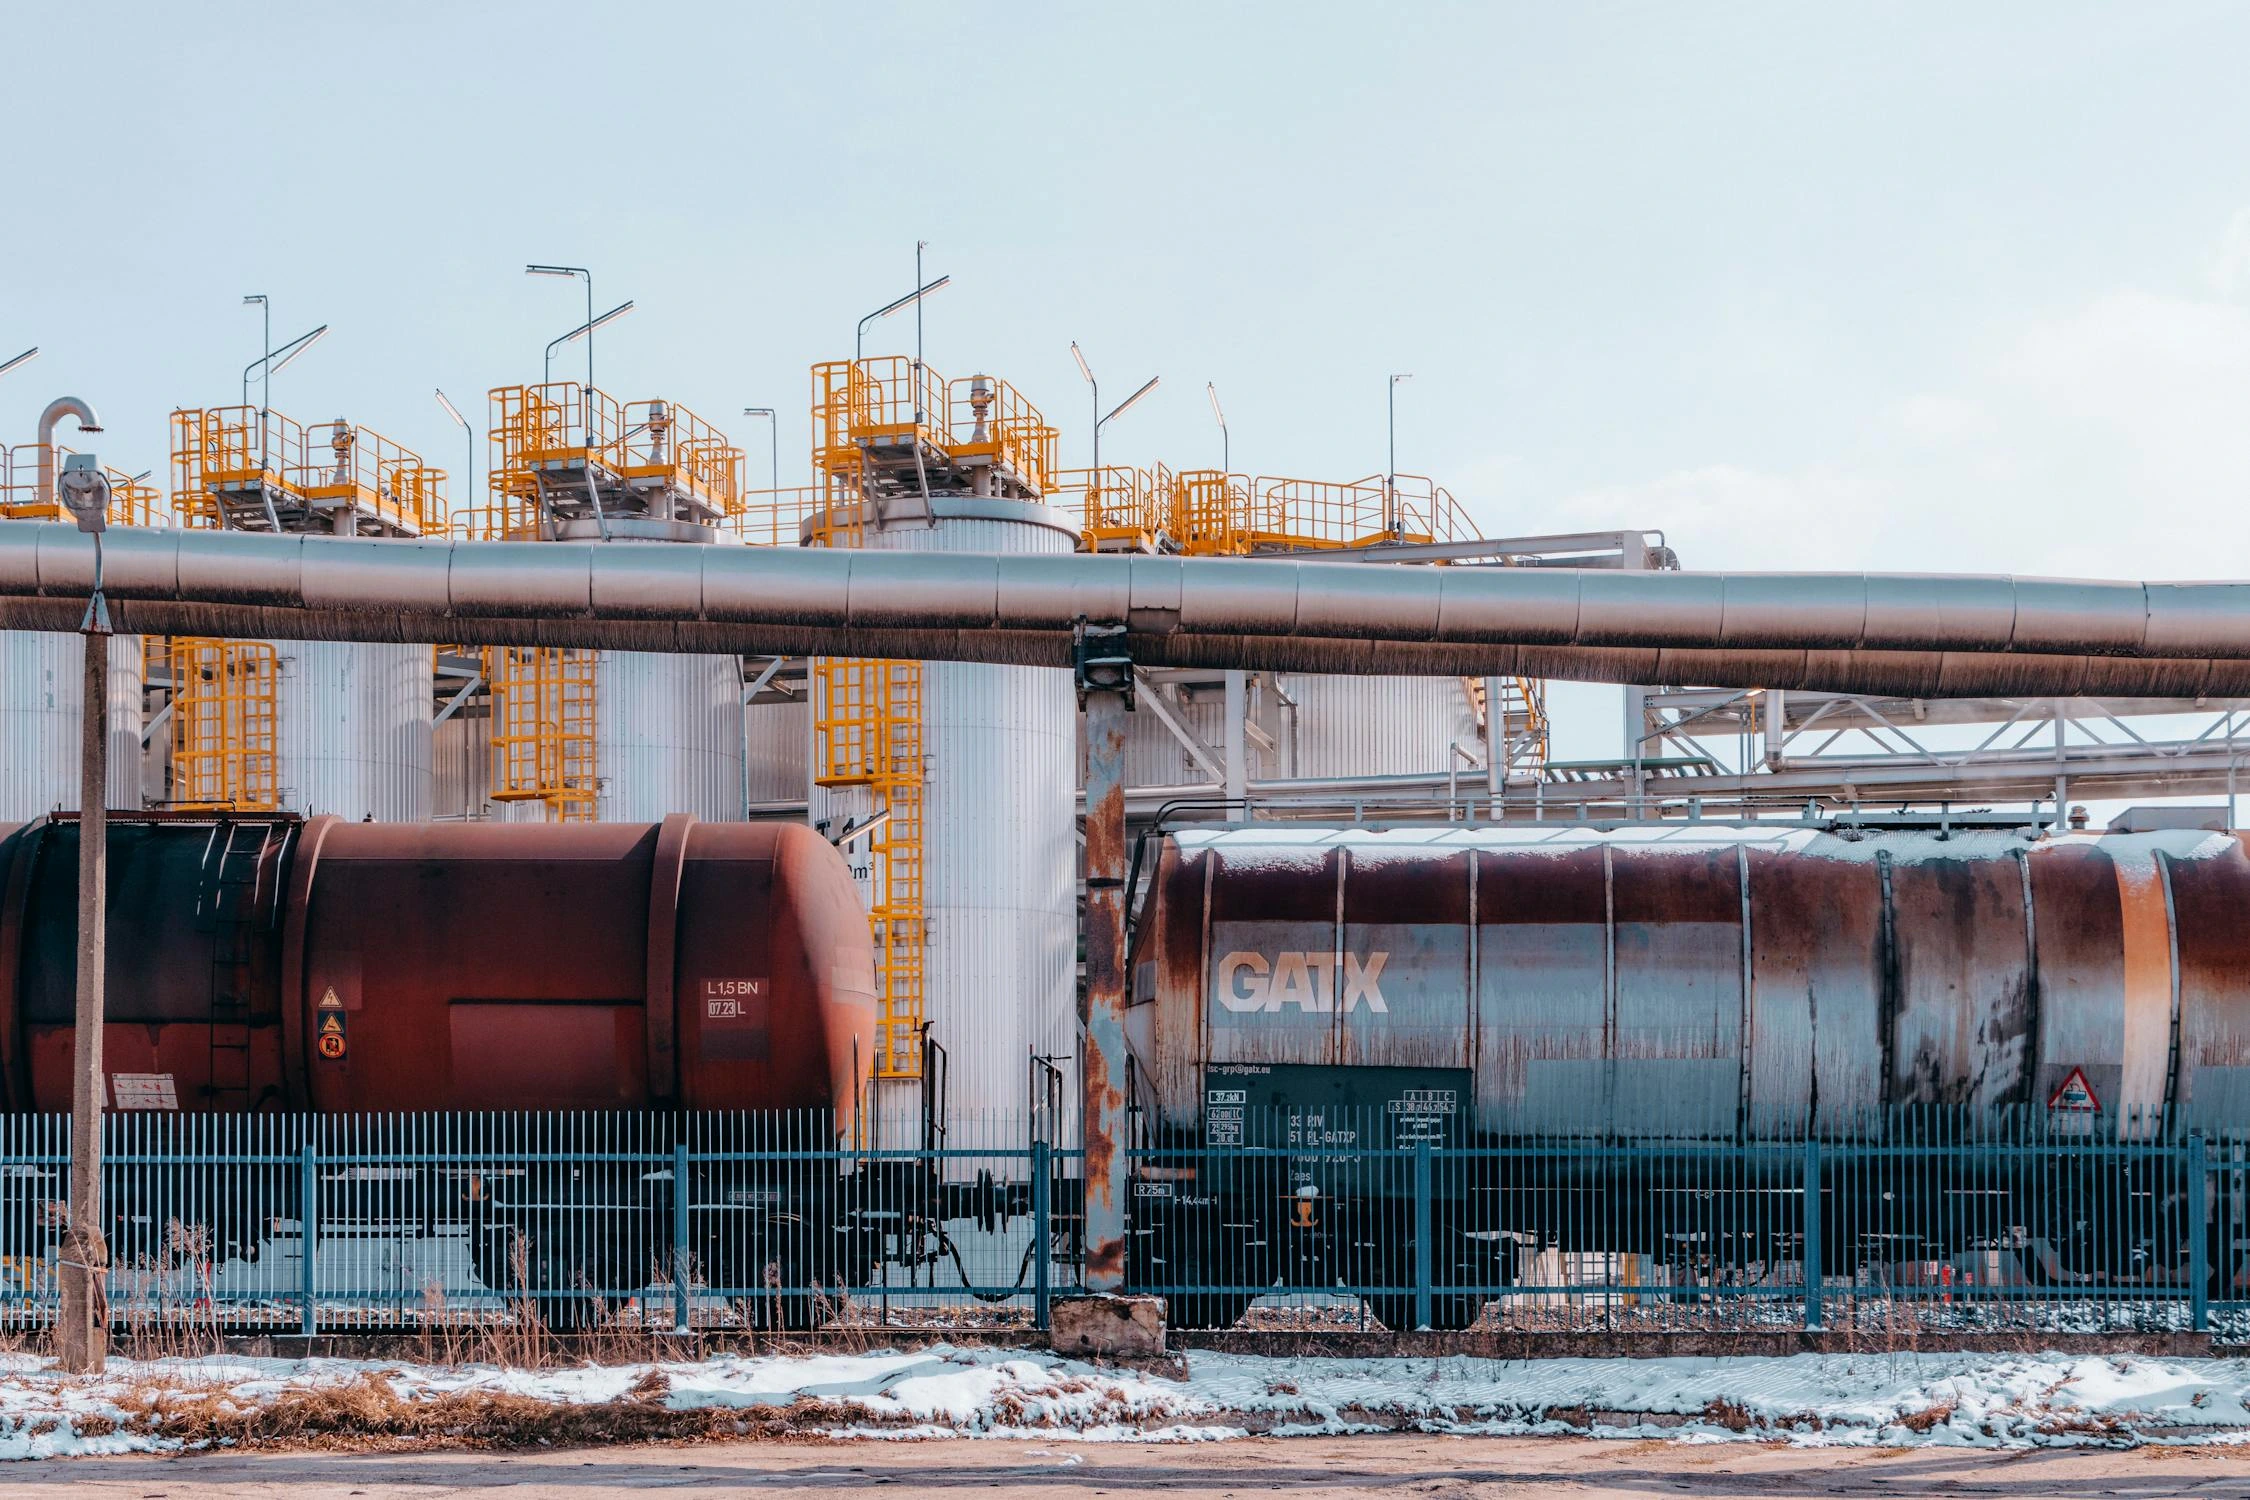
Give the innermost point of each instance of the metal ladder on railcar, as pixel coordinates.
(232, 911)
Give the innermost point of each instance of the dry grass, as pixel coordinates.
(368, 1413)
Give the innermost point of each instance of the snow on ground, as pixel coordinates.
(1864, 1399)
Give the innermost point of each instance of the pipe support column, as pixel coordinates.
(1105, 691)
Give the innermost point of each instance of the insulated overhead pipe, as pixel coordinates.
(1919, 635)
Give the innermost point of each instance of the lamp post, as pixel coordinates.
(585, 331)
(24, 358)
(1119, 410)
(469, 483)
(82, 1332)
(773, 425)
(1226, 461)
(1390, 472)
(265, 346)
(274, 361)
(539, 270)
(859, 342)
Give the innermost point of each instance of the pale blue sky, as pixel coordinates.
(1815, 285)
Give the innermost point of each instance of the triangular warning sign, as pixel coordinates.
(328, 1000)
(331, 1025)
(2076, 1095)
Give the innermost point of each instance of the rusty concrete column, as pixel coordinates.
(1105, 692)
(82, 1333)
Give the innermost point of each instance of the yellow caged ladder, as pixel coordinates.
(543, 729)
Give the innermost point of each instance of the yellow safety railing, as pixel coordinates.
(1118, 509)
(563, 426)
(885, 397)
(324, 468)
(559, 424)
(543, 728)
(889, 401)
(420, 491)
(225, 448)
(776, 518)
(224, 721)
(666, 442)
(990, 419)
(132, 501)
(1212, 514)
(358, 467)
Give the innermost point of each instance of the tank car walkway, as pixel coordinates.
(1316, 1468)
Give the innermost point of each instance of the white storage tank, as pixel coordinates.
(42, 690)
(667, 736)
(999, 836)
(1381, 726)
(777, 740)
(1337, 727)
(352, 730)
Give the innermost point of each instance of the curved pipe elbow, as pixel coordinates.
(62, 406)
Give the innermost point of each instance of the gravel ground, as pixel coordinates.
(1331, 1469)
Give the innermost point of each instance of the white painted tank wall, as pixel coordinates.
(1380, 726)
(667, 736)
(1346, 726)
(1000, 851)
(461, 768)
(42, 688)
(780, 741)
(353, 730)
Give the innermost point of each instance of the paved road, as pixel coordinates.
(1315, 1468)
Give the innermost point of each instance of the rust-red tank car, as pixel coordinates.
(1695, 980)
(270, 963)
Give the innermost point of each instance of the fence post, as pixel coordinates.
(2199, 1236)
(679, 1235)
(1422, 1234)
(1812, 1234)
(1041, 1229)
(308, 1229)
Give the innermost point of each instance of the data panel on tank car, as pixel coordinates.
(1276, 1106)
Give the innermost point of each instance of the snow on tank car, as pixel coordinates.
(1333, 990)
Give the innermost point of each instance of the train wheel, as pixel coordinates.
(1222, 1245)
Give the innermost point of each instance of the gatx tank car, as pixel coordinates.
(272, 964)
(1690, 983)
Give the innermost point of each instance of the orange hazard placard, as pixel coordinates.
(2075, 1094)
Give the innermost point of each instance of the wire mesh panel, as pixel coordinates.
(1308, 1218)
(1333, 1216)
(570, 1221)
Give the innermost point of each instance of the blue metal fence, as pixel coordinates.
(1306, 1221)
(1333, 1217)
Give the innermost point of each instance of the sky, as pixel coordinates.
(1880, 286)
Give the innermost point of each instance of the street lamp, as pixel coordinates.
(859, 344)
(1101, 421)
(469, 485)
(576, 271)
(265, 345)
(1226, 462)
(773, 424)
(585, 331)
(24, 358)
(274, 361)
(1390, 474)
